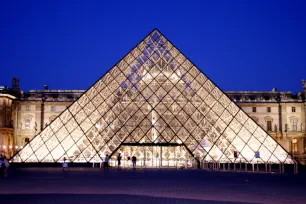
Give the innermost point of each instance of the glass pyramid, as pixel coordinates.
(154, 101)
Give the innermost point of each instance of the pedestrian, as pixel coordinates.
(6, 166)
(106, 162)
(65, 164)
(134, 162)
(129, 159)
(119, 160)
(2, 166)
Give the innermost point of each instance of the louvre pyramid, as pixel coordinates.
(153, 96)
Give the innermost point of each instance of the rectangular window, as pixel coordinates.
(269, 125)
(27, 124)
(294, 125)
(27, 108)
(53, 108)
(293, 109)
(269, 109)
(254, 109)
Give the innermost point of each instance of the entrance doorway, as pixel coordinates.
(154, 156)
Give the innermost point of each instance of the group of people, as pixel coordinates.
(119, 157)
(4, 165)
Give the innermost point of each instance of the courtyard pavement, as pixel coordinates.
(88, 185)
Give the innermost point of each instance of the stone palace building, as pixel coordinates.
(23, 115)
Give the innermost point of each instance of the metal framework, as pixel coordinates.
(154, 97)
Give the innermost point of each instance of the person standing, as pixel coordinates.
(2, 166)
(119, 160)
(65, 164)
(134, 162)
(106, 162)
(6, 166)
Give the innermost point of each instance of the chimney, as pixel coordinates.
(46, 87)
(274, 90)
(15, 84)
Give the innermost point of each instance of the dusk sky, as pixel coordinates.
(240, 45)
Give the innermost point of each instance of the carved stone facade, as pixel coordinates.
(23, 115)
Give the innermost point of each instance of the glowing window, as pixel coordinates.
(27, 123)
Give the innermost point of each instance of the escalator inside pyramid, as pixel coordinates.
(156, 105)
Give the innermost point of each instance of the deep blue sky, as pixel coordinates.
(240, 45)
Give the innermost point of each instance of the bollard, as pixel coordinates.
(253, 166)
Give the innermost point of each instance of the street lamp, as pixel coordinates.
(4, 149)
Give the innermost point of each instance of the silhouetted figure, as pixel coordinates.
(134, 162)
(2, 166)
(106, 162)
(119, 160)
(64, 164)
(6, 166)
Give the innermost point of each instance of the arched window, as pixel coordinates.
(255, 119)
(26, 140)
(294, 145)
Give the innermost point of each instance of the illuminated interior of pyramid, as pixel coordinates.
(156, 105)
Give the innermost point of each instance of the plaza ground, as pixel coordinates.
(93, 185)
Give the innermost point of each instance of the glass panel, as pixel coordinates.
(260, 134)
(52, 143)
(270, 144)
(57, 152)
(89, 108)
(83, 100)
(241, 117)
(67, 143)
(91, 93)
(244, 134)
(25, 152)
(65, 117)
(36, 143)
(56, 124)
(216, 92)
(61, 134)
(250, 125)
